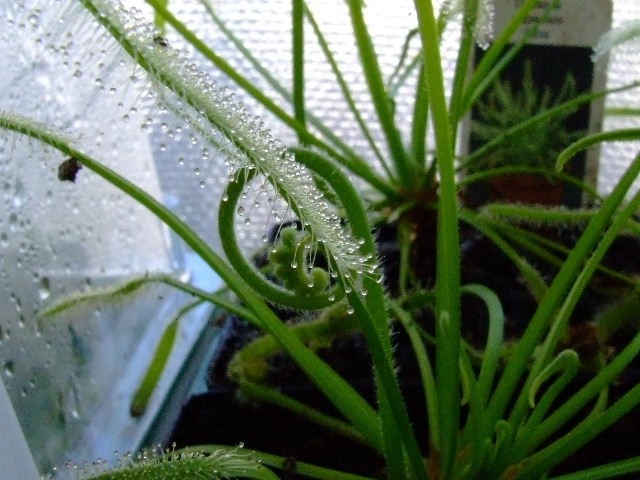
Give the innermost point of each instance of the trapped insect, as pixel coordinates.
(161, 41)
(68, 170)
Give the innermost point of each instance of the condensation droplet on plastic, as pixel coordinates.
(44, 288)
(33, 20)
(9, 369)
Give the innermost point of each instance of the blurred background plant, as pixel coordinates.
(506, 106)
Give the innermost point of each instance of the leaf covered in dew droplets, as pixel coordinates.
(123, 39)
(483, 31)
(222, 463)
(628, 31)
(247, 143)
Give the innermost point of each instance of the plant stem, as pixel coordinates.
(419, 125)
(543, 460)
(297, 50)
(372, 316)
(463, 62)
(448, 248)
(275, 461)
(404, 165)
(273, 396)
(346, 93)
(565, 278)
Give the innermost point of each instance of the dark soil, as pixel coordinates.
(222, 416)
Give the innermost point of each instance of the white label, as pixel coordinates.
(574, 23)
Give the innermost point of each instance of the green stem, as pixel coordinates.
(132, 286)
(381, 102)
(581, 282)
(543, 248)
(426, 372)
(158, 21)
(550, 456)
(274, 397)
(586, 142)
(448, 249)
(297, 50)
(289, 466)
(556, 294)
(158, 362)
(419, 125)
(609, 470)
(372, 315)
(561, 319)
(346, 93)
(272, 292)
(463, 62)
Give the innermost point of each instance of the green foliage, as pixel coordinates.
(514, 422)
(290, 265)
(507, 105)
(216, 464)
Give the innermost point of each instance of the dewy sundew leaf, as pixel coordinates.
(167, 464)
(250, 145)
(121, 38)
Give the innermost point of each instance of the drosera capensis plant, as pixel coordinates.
(506, 106)
(486, 420)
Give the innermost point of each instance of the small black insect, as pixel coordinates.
(161, 41)
(68, 170)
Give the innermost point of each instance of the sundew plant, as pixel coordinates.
(487, 419)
